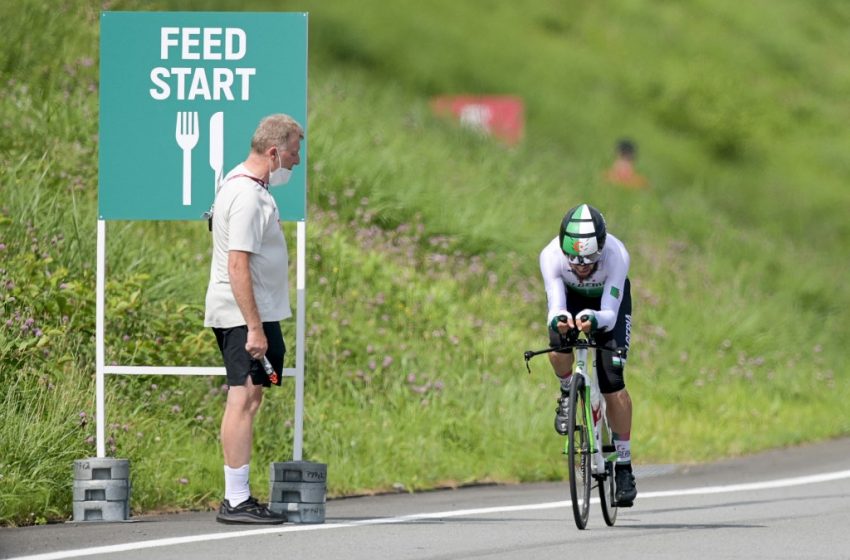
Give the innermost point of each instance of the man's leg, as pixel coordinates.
(237, 425)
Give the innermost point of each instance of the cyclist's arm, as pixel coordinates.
(550, 269)
(612, 294)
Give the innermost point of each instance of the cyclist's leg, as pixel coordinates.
(612, 382)
(617, 399)
(562, 362)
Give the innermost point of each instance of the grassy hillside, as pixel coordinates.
(423, 285)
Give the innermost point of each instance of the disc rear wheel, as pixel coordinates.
(578, 452)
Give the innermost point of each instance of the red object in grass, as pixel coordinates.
(502, 116)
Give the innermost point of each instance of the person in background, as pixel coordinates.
(622, 172)
(247, 297)
(585, 274)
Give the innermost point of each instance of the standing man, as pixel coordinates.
(587, 288)
(247, 297)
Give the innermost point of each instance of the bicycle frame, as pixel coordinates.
(595, 437)
(580, 345)
(587, 370)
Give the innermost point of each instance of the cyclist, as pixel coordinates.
(585, 275)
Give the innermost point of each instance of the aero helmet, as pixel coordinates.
(582, 234)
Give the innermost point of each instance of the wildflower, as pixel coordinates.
(388, 360)
(176, 408)
(184, 481)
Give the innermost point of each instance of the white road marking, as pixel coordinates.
(158, 543)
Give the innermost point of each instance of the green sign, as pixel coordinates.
(181, 94)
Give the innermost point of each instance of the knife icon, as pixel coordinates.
(217, 147)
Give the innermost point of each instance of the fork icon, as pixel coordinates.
(187, 139)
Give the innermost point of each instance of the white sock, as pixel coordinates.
(236, 488)
(624, 451)
(565, 383)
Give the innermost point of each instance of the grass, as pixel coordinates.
(423, 286)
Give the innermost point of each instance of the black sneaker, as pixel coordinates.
(562, 414)
(249, 511)
(625, 482)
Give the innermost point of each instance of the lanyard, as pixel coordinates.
(209, 214)
(255, 179)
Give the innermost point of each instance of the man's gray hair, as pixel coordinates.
(275, 130)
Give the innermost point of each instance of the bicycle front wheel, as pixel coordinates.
(578, 452)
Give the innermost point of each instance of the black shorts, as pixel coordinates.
(239, 363)
(611, 376)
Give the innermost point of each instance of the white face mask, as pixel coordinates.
(279, 176)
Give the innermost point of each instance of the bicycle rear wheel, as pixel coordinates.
(578, 452)
(607, 489)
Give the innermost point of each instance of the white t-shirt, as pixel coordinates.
(606, 282)
(246, 218)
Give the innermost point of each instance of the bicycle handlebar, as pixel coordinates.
(571, 340)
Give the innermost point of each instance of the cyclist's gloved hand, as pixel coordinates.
(562, 322)
(586, 321)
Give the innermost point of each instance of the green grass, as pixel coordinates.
(423, 287)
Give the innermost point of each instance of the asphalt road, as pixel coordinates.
(792, 503)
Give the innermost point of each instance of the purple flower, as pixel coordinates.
(184, 481)
(176, 408)
(2, 246)
(388, 360)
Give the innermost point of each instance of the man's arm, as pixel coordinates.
(239, 270)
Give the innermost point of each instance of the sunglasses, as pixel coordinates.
(584, 260)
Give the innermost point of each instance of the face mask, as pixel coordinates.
(279, 176)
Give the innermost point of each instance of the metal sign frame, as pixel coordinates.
(112, 208)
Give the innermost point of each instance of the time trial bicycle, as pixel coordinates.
(589, 447)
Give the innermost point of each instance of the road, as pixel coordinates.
(792, 503)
